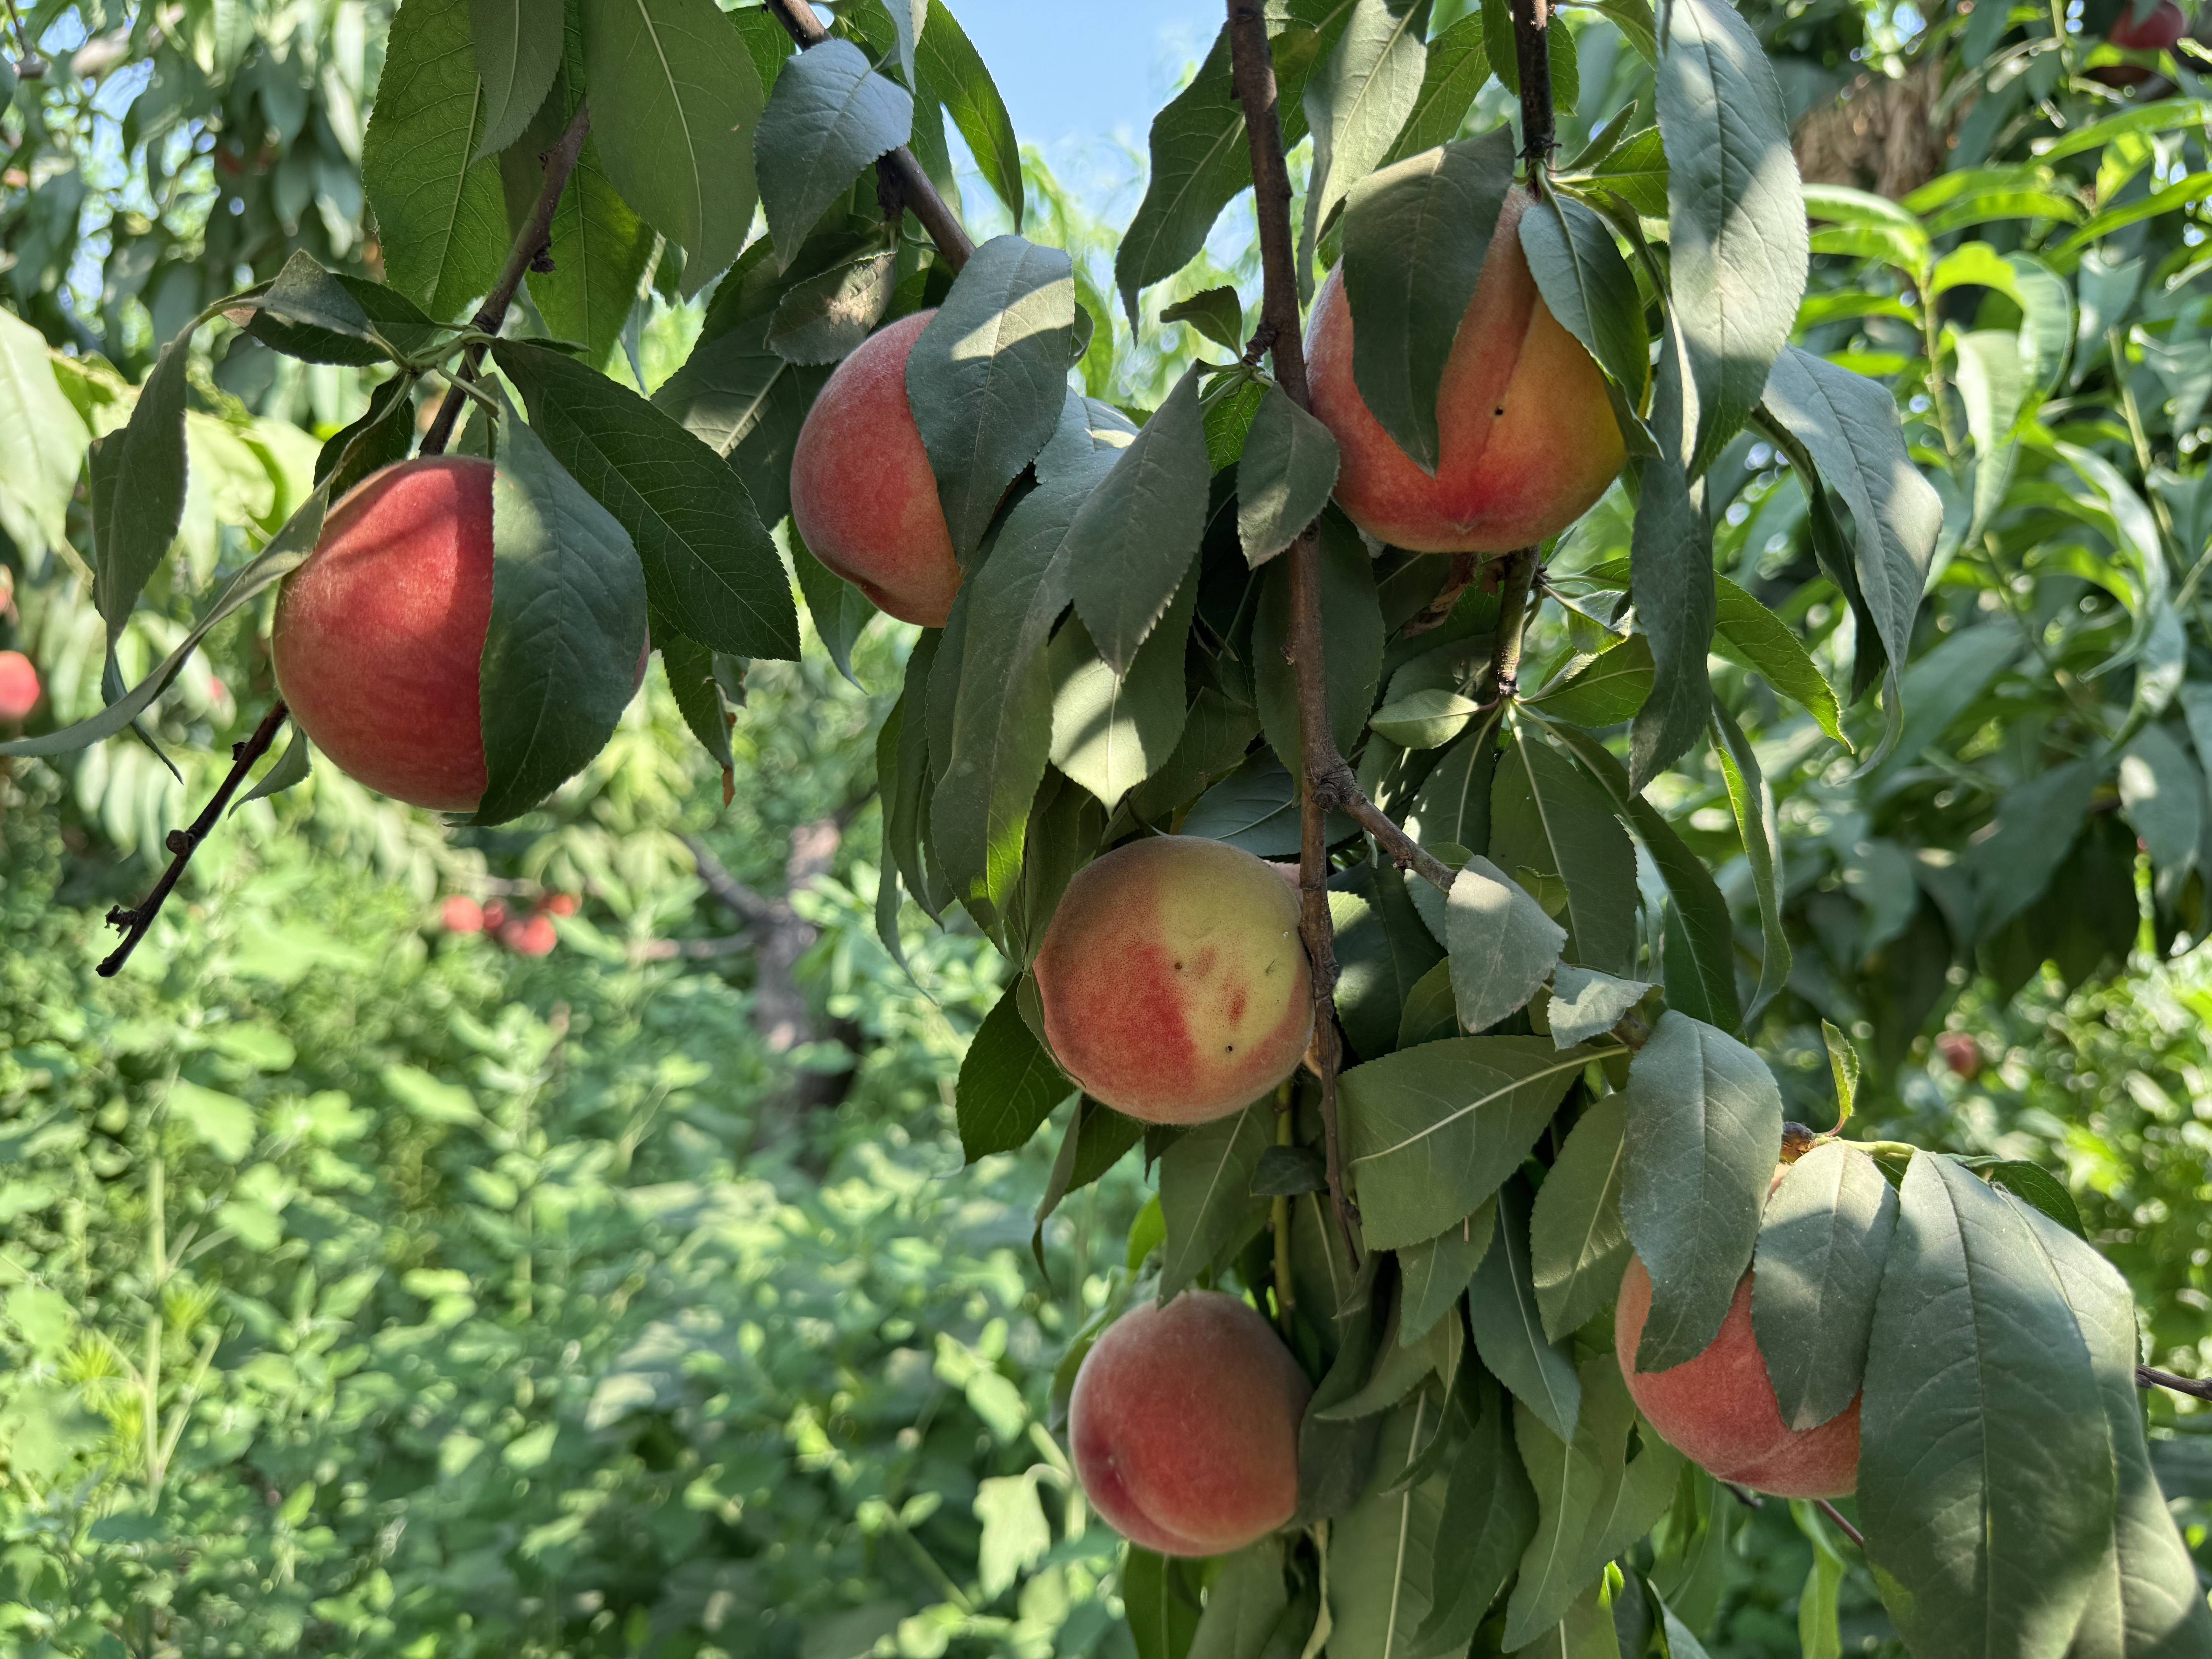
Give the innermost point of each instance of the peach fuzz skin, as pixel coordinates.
(379, 635)
(1174, 983)
(1184, 1425)
(1527, 437)
(862, 494)
(1719, 1409)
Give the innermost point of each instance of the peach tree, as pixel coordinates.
(1482, 1265)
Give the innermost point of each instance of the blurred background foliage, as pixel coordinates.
(370, 1284)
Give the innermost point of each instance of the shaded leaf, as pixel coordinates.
(1821, 1245)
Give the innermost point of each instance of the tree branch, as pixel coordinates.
(529, 243)
(1517, 581)
(2196, 1388)
(1326, 777)
(1532, 54)
(183, 843)
(908, 184)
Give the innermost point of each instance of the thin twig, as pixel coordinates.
(531, 242)
(1836, 1516)
(910, 184)
(1532, 52)
(1252, 72)
(2149, 1376)
(1517, 581)
(183, 843)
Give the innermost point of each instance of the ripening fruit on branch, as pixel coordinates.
(2159, 32)
(1719, 1409)
(19, 687)
(1528, 442)
(379, 634)
(1184, 1425)
(862, 494)
(1175, 985)
(532, 937)
(461, 914)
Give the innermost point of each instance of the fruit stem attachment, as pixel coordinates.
(909, 185)
(1837, 1515)
(1532, 55)
(529, 242)
(183, 843)
(1326, 777)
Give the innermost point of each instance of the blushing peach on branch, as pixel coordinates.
(1528, 442)
(1174, 983)
(1184, 1425)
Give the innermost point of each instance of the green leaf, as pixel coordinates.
(1243, 1605)
(1163, 1614)
(1821, 1246)
(689, 667)
(1358, 100)
(1587, 287)
(1605, 690)
(708, 564)
(746, 401)
(1217, 315)
(291, 768)
(1382, 948)
(1458, 63)
(1353, 659)
(1704, 1132)
(1255, 807)
(1434, 1274)
(1750, 635)
(1385, 1555)
(1286, 1171)
(568, 624)
(42, 440)
(1592, 1500)
(1490, 1513)
(2163, 795)
(950, 71)
(840, 610)
(1009, 1084)
(1434, 1130)
(1737, 219)
(1585, 1003)
(1206, 1192)
(1578, 1244)
(1981, 1544)
(439, 213)
(311, 313)
(1671, 561)
(2046, 327)
(1509, 1325)
(2035, 1186)
(1502, 945)
(1415, 238)
(2037, 823)
(1990, 385)
(1546, 816)
(1427, 718)
(1636, 173)
(1844, 1066)
(829, 116)
(518, 51)
(137, 476)
(988, 377)
(1398, 1369)
(675, 103)
(1820, 1632)
(2145, 1602)
(1848, 425)
(222, 1123)
(826, 317)
(1284, 477)
(1454, 805)
(1097, 1137)
(1757, 826)
(1110, 733)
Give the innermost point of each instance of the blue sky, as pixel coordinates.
(1075, 72)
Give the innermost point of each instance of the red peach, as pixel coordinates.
(1961, 1053)
(379, 634)
(558, 904)
(1719, 1409)
(2159, 32)
(1174, 983)
(1528, 442)
(19, 687)
(862, 494)
(461, 914)
(1184, 1425)
(533, 937)
(495, 915)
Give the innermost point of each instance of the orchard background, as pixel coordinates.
(578, 1233)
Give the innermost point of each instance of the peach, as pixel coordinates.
(19, 687)
(379, 634)
(1719, 1409)
(461, 914)
(533, 937)
(1184, 1425)
(1527, 439)
(1174, 983)
(2159, 32)
(862, 494)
